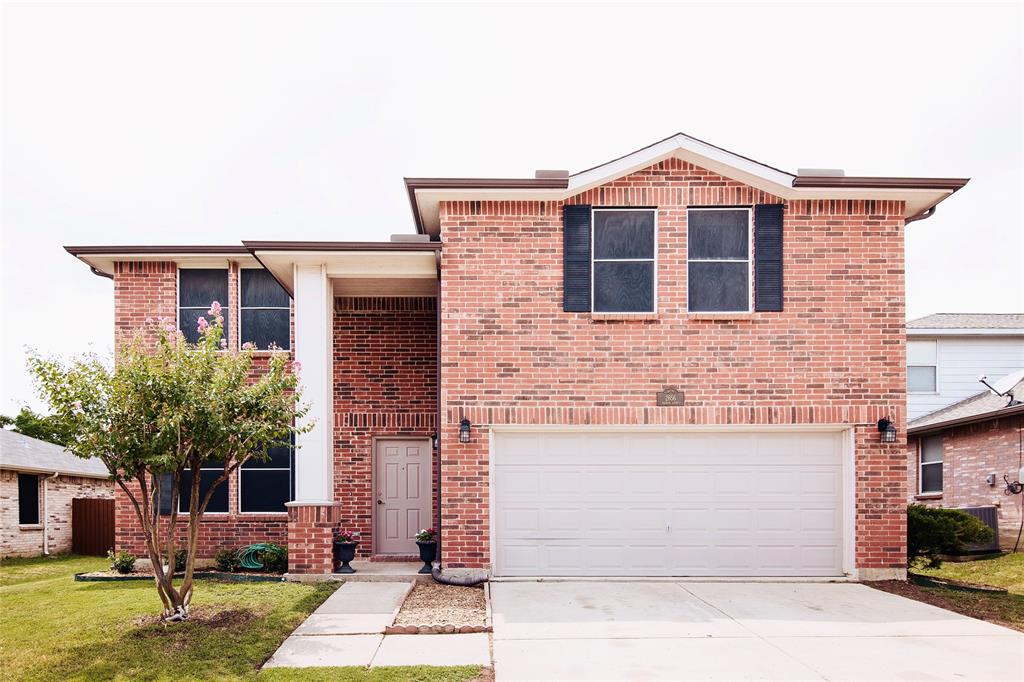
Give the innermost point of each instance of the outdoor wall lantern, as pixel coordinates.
(434, 440)
(464, 426)
(888, 430)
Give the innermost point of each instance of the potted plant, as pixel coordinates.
(426, 540)
(345, 544)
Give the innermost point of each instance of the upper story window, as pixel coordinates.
(264, 310)
(28, 499)
(624, 269)
(921, 366)
(718, 260)
(197, 289)
(930, 477)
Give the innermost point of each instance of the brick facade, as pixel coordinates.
(835, 355)
(969, 454)
(18, 540)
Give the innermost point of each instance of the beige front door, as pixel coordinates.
(402, 480)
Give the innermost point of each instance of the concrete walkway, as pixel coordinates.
(348, 630)
(738, 631)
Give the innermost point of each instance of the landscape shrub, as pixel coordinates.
(180, 560)
(227, 560)
(121, 561)
(933, 531)
(275, 558)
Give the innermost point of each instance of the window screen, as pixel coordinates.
(197, 289)
(207, 476)
(265, 486)
(623, 260)
(931, 464)
(28, 499)
(922, 366)
(921, 379)
(264, 310)
(718, 255)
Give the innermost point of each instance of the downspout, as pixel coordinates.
(923, 215)
(437, 422)
(46, 516)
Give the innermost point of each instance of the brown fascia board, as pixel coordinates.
(973, 419)
(252, 247)
(879, 183)
(413, 184)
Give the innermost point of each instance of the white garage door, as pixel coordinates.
(667, 504)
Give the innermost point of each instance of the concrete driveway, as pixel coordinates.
(738, 631)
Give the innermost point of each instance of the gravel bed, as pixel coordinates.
(443, 606)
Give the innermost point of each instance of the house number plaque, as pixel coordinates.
(670, 397)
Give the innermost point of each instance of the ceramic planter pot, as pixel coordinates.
(344, 552)
(428, 552)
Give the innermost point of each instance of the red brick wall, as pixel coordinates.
(969, 454)
(385, 384)
(149, 291)
(835, 355)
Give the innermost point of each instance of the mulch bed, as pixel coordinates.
(432, 608)
(1002, 609)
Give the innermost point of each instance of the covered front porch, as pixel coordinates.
(366, 341)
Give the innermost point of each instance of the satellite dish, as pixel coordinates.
(1007, 383)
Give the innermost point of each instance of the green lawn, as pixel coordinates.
(52, 628)
(1004, 571)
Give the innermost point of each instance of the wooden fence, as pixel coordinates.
(92, 526)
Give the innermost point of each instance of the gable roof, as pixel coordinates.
(920, 194)
(970, 321)
(981, 407)
(19, 452)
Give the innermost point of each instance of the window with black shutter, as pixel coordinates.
(624, 270)
(28, 499)
(264, 310)
(198, 288)
(265, 486)
(718, 260)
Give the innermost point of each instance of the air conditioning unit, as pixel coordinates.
(990, 517)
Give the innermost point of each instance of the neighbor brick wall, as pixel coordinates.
(28, 540)
(969, 454)
(385, 385)
(835, 355)
(144, 291)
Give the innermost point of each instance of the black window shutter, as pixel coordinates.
(576, 258)
(768, 257)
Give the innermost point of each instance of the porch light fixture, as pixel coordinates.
(888, 430)
(464, 426)
(434, 440)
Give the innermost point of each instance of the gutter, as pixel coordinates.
(46, 515)
(973, 419)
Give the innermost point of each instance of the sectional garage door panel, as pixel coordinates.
(667, 504)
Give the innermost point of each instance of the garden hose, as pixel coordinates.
(249, 557)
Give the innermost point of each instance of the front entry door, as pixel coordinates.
(402, 480)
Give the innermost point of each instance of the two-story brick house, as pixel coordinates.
(671, 364)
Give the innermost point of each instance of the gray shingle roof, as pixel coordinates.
(21, 453)
(969, 321)
(976, 406)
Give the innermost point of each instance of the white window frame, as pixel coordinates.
(749, 259)
(934, 366)
(225, 483)
(225, 304)
(921, 464)
(653, 260)
(241, 334)
(291, 485)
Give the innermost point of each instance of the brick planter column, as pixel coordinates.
(310, 536)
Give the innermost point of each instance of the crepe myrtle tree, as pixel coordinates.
(165, 408)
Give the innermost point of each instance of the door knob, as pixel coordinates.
(380, 501)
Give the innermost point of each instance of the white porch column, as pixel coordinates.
(314, 323)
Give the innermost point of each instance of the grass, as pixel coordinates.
(1003, 571)
(54, 628)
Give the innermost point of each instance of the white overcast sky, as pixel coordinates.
(194, 123)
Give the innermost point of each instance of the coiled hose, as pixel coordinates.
(460, 581)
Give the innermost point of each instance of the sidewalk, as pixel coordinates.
(348, 630)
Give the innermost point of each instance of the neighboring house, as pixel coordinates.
(38, 481)
(958, 457)
(947, 352)
(673, 363)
